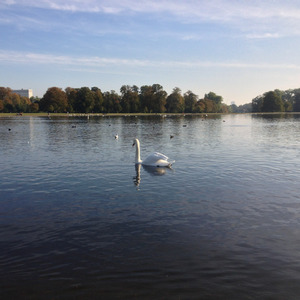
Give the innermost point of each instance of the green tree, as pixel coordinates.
(84, 102)
(257, 104)
(287, 98)
(296, 106)
(153, 98)
(217, 101)
(98, 98)
(245, 108)
(209, 106)
(4, 92)
(35, 99)
(24, 105)
(71, 95)
(15, 100)
(200, 106)
(272, 102)
(111, 102)
(175, 102)
(159, 99)
(34, 107)
(9, 99)
(224, 108)
(116, 102)
(190, 100)
(130, 100)
(233, 108)
(54, 100)
(146, 98)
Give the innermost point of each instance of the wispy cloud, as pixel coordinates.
(94, 62)
(255, 18)
(37, 58)
(266, 35)
(210, 10)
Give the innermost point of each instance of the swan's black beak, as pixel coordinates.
(133, 144)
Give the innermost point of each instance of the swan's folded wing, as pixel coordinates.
(160, 156)
(158, 160)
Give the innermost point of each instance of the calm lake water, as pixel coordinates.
(79, 221)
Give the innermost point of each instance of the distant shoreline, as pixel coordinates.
(2, 115)
(102, 114)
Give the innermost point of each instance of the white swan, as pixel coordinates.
(155, 159)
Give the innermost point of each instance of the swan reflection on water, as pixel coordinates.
(154, 171)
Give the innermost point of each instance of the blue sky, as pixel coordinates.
(236, 48)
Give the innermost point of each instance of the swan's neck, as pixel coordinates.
(137, 152)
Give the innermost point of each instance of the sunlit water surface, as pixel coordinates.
(79, 221)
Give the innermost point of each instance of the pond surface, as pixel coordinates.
(78, 220)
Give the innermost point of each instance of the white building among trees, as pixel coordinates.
(24, 93)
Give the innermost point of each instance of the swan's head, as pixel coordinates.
(135, 142)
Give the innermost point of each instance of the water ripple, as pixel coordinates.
(77, 218)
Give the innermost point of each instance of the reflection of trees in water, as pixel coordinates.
(275, 116)
(280, 128)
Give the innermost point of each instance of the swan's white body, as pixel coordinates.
(155, 159)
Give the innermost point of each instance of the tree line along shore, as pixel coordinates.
(147, 99)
